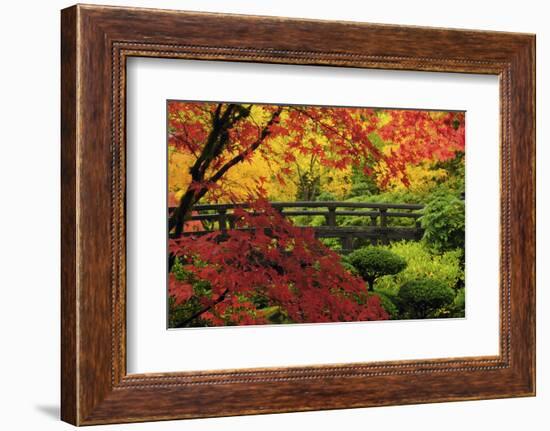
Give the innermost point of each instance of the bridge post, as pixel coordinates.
(331, 216)
(384, 223)
(222, 219)
(373, 241)
(347, 243)
(419, 231)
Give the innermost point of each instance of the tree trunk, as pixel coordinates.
(370, 284)
(216, 143)
(182, 212)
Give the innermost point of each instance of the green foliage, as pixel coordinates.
(443, 221)
(332, 243)
(361, 184)
(308, 220)
(201, 289)
(259, 299)
(422, 298)
(455, 181)
(349, 267)
(275, 314)
(447, 268)
(456, 309)
(392, 197)
(374, 262)
(389, 303)
(325, 196)
(177, 269)
(182, 312)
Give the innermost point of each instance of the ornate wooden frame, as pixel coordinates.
(96, 41)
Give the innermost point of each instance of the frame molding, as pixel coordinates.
(96, 41)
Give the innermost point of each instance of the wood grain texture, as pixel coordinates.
(96, 41)
(69, 397)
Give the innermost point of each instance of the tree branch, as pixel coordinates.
(241, 156)
(203, 310)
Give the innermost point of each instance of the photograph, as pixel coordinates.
(288, 214)
(275, 215)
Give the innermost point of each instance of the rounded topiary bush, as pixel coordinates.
(421, 298)
(388, 304)
(457, 308)
(349, 267)
(374, 262)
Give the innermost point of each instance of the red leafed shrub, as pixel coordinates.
(181, 291)
(266, 256)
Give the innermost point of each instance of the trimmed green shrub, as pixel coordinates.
(374, 262)
(349, 267)
(419, 299)
(388, 303)
(421, 263)
(443, 221)
(456, 309)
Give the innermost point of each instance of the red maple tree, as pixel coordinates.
(221, 135)
(267, 256)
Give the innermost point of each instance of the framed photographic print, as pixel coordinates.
(264, 215)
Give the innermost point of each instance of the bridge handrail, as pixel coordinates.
(312, 204)
(377, 229)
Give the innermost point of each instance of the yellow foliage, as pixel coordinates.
(421, 178)
(280, 176)
(178, 171)
(337, 182)
(243, 179)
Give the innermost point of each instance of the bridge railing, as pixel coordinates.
(379, 227)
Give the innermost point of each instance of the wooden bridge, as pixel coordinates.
(380, 227)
